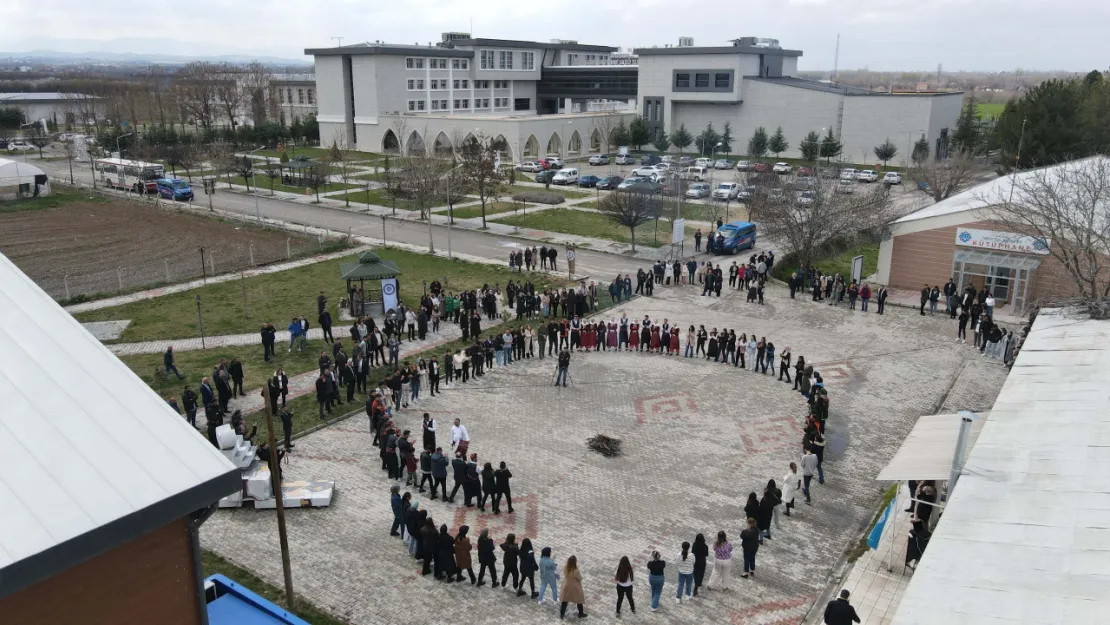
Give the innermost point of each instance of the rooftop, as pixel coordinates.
(692, 50)
(450, 49)
(90, 457)
(1024, 538)
(815, 85)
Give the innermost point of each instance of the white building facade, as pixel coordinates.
(295, 95)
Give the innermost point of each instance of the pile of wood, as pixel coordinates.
(605, 445)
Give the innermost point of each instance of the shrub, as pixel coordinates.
(539, 197)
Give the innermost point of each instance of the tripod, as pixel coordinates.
(555, 378)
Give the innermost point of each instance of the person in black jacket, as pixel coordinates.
(323, 394)
(445, 555)
(501, 488)
(430, 545)
(458, 470)
(768, 506)
(528, 568)
(439, 473)
(749, 544)
(487, 557)
(426, 471)
(189, 404)
(325, 324)
(488, 488)
(347, 375)
(472, 488)
(509, 560)
(840, 612)
(701, 555)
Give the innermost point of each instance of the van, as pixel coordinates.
(566, 176)
(175, 189)
(848, 174)
(703, 162)
(735, 236)
(697, 174)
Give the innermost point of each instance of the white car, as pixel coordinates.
(20, 146)
(625, 159)
(892, 177)
(726, 191)
(846, 186)
(530, 166)
(648, 171)
(722, 163)
(867, 175)
(698, 190)
(848, 175)
(743, 165)
(628, 182)
(565, 176)
(807, 198)
(599, 159)
(781, 168)
(704, 162)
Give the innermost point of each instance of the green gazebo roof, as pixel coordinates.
(369, 267)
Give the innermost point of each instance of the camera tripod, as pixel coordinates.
(555, 378)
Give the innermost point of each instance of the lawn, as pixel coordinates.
(58, 197)
(567, 193)
(263, 183)
(839, 262)
(195, 365)
(380, 197)
(317, 153)
(492, 208)
(213, 564)
(988, 110)
(581, 223)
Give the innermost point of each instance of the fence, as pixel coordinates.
(231, 252)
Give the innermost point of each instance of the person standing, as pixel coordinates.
(881, 299)
(769, 509)
(502, 488)
(458, 470)
(570, 262)
(460, 437)
(722, 562)
(168, 363)
(549, 576)
(749, 544)
(527, 568)
(509, 561)
(685, 565)
(429, 427)
(790, 485)
(961, 332)
(840, 612)
(924, 298)
(624, 580)
(571, 591)
(395, 504)
(809, 467)
(439, 473)
(463, 560)
(487, 558)
(189, 404)
(655, 578)
(700, 549)
(323, 394)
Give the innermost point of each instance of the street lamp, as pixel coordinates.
(257, 211)
(119, 155)
(200, 322)
(712, 169)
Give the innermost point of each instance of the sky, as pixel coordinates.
(881, 35)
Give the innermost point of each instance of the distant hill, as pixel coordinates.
(131, 50)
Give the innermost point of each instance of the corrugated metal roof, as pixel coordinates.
(85, 445)
(927, 452)
(815, 85)
(1026, 536)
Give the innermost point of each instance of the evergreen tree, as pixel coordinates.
(885, 151)
(638, 133)
(1054, 128)
(707, 141)
(621, 135)
(811, 146)
(757, 145)
(681, 138)
(966, 136)
(726, 139)
(661, 142)
(831, 146)
(778, 143)
(920, 150)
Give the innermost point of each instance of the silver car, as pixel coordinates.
(722, 163)
(599, 159)
(698, 190)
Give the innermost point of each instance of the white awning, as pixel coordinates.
(997, 259)
(927, 452)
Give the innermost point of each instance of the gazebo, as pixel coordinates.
(360, 301)
(296, 170)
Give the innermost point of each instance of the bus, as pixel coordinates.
(137, 176)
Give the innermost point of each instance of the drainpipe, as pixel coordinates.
(196, 519)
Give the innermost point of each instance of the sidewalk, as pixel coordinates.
(908, 298)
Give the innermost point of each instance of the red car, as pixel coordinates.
(804, 171)
(551, 163)
(761, 168)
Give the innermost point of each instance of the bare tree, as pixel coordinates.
(809, 223)
(1066, 209)
(605, 124)
(273, 172)
(187, 155)
(945, 177)
(341, 157)
(243, 166)
(228, 91)
(480, 171)
(222, 158)
(40, 142)
(317, 176)
(257, 93)
(195, 91)
(631, 210)
(71, 153)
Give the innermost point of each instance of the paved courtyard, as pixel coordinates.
(697, 437)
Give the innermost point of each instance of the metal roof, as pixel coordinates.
(1025, 538)
(692, 50)
(13, 170)
(90, 457)
(815, 85)
(927, 452)
(390, 49)
(368, 267)
(513, 43)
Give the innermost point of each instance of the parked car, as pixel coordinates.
(3, 143)
(776, 195)
(722, 163)
(726, 191)
(625, 159)
(704, 162)
(552, 162)
(698, 190)
(545, 176)
(743, 165)
(807, 198)
(804, 171)
(761, 168)
(650, 159)
(737, 235)
(848, 174)
(892, 177)
(630, 181)
(646, 171)
(746, 192)
(530, 166)
(830, 174)
(868, 175)
(685, 161)
(647, 187)
(589, 180)
(782, 168)
(608, 182)
(175, 189)
(19, 145)
(804, 182)
(695, 173)
(599, 159)
(846, 186)
(568, 175)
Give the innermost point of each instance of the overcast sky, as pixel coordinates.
(878, 34)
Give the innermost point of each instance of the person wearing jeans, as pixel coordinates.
(749, 544)
(685, 565)
(655, 578)
(809, 467)
(623, 579)
(549, 576)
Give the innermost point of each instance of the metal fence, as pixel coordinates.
(227, 256)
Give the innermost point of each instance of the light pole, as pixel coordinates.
(257, 211)
(909, 147)
(122, 169)
(712, 169)
(450, 211)
(200, 323)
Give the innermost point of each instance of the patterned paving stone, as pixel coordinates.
(697, 437)
(107, 330)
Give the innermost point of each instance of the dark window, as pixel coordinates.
(701, 81)
(722, 81)
(522, 104)
(682, 81)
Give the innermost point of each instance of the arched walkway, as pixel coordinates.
(505, 149)
(595, 141)
(574, 146)
(390, 143)
(442, 145)
(531, 147)
(415, 144)
(554, 145)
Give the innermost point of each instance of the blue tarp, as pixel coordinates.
(230, 603)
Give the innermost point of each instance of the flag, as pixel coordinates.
(877, 531)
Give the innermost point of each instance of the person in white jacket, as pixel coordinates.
(790, 485)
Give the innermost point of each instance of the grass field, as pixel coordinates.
(317, 153)
(840, 262)
(581, 223)
(263, 183)
(492, 208)
(213, 564)
(58, 197)
(379, 197)
(988, 110)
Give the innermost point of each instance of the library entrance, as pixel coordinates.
(1005, 275)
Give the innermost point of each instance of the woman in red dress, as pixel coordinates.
(588, 336)
(633, 336)
(655, 338)
(674, 341)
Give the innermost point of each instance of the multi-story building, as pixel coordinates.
(753, 82)
(541, 98)
(295, 95)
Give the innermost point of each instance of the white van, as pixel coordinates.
(697, 174)
(566, 176)
(703, 162)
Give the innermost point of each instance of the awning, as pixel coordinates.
(997, 259)
(927, 452)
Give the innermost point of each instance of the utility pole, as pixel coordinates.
(203, 274)
(275, 483)
(836, 60)
(200, 323)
